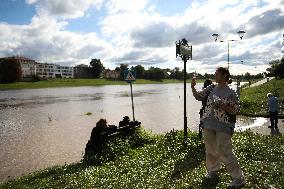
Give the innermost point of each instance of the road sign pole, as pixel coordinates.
(132, 101)
(184, 103)
(130, 77)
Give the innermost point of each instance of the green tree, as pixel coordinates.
(122, 68)
(276, 68)
(176, 73)
(155, 74)
(97, 68)
(247, 76)
(10, 71)
(139, 70)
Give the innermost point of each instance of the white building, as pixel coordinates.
(28, 68)
(66, 71)
(31, 68)
(45, 70)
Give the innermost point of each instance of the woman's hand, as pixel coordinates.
(219, 104)
(222, 105)
(225, 107)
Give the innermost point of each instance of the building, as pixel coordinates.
(82, 71)
(28, 66)
(45, 70)
(67, 72)
(31, 68)
(111, 74)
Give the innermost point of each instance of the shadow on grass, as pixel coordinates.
(56, 172)
(210, 183)
(192, 160)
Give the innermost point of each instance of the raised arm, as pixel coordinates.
(199, 95)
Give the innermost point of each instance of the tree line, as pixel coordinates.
(10, 71)
(276, 69)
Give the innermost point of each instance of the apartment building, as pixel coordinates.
(32, 68)
(46, 70)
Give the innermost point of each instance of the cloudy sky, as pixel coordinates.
(143, 32)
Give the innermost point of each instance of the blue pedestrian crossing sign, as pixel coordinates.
(129, 76)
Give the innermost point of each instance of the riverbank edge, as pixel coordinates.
(58, 83)
(168, 144)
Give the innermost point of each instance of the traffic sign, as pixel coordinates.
(129, 76)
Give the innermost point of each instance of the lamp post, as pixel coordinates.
(216, 35)
(184, 51)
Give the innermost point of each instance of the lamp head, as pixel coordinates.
(215, 36)
(241, 34)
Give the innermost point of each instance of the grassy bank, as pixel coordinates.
(79, 82)
(254, 99)
(146, 161)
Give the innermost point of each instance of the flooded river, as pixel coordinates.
(40, 128)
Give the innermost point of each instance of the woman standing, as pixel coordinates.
(218, 126)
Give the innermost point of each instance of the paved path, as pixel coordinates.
(260, 82)
(264, 130)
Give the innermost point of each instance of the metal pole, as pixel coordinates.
(132, 101)
(185, 118)
(228, 54)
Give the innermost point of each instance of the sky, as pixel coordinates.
(144, 32)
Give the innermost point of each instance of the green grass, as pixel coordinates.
(254, 99)
(79, 82)
(143, 160)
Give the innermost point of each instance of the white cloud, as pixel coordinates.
(134, 32)
(45, 39)
(65, 9)
(116, 6)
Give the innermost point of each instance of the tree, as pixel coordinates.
(176, 73)
(10, 71)
(167, 72)
(155, 74)
(209, 76)
(122, 68)
(97, 68)
(247, 76)
(140, 71)
(276, 68)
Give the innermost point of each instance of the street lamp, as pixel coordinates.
(184, 51)
(216, 35)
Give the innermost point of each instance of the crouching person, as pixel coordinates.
(98, 135)
(218, 126)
